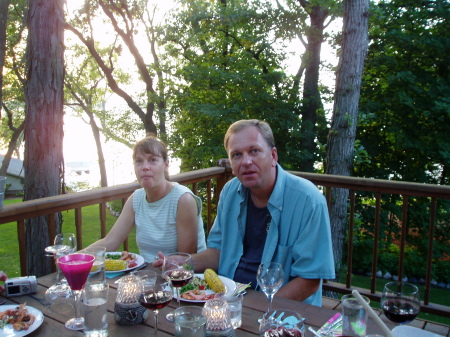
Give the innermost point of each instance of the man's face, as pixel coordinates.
(252, 160)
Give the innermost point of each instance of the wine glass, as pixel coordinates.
(155, 294)
(76, 268)
(63, 244)
(400, 302)
(270, 278)
(179, 268)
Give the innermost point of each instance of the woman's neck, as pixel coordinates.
(159, 192)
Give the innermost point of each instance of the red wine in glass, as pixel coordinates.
(155, 294)
(155, 300)
(400, 311)
(400, 302)
(180, 277)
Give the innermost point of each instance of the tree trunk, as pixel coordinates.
(311, 101)
(44, 98)
(4, 4)
(341, 139)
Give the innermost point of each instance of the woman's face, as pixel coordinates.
(150, 169)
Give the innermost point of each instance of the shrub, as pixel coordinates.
(442, 270)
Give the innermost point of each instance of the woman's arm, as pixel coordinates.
(121, 229)
(187, 224)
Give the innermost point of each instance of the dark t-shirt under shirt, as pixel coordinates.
(256, 228)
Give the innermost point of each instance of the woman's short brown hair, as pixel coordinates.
(151, 145)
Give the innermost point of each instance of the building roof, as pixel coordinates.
(15, 168)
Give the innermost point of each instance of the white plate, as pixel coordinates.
(230, 287)
(8, 330)
(139, 260)
(410, 331)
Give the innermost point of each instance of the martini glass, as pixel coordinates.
(64, 243)
(76, 268)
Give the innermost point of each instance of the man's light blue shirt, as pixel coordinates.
(299, 236)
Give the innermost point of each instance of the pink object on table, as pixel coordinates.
(76, 268)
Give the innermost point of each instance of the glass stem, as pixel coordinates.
(155, 331)
(76, 298)
(270, 302)
(58, 270)
(178, 297)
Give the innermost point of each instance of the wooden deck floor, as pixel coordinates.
(437, 328)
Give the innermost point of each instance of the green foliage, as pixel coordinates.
(404, 99)
(230, 69)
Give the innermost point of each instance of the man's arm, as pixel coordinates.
(209, 258)
(299, 288)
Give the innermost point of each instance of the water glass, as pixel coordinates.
(235, 305)
(354, 316)
(189, 322)
(98, 268)
(95, 299)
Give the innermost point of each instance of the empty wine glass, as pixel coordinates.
(400, 302)
(270, 278)
(155, 294)
(63, 244)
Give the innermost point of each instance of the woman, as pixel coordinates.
(166, 214)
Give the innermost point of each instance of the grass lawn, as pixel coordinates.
(9, 246)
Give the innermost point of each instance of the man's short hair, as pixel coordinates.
(263, 127)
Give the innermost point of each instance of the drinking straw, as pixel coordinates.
(372, 313)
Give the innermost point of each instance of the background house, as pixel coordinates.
(15, 176)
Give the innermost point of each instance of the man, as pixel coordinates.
(266, 214)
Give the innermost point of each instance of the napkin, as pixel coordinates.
(112, 275)
(334, 324)
(240, 288)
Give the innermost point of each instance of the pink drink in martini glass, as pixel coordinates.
(76, 268)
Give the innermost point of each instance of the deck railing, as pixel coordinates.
(214, 179)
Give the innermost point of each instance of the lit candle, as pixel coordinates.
(127, 310)
(218, 321)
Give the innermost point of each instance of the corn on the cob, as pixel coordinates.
(214, 282)
(111, 265)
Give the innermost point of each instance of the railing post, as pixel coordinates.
(22, 247)
(224, 162)
(376, 237)
(403, 237)
(102, 210)
(350, 239)
(78, 228)
(426, 298)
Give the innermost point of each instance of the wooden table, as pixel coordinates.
(254, 305)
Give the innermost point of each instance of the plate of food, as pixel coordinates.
(19, 320)
(122, 261)
(205, 286)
